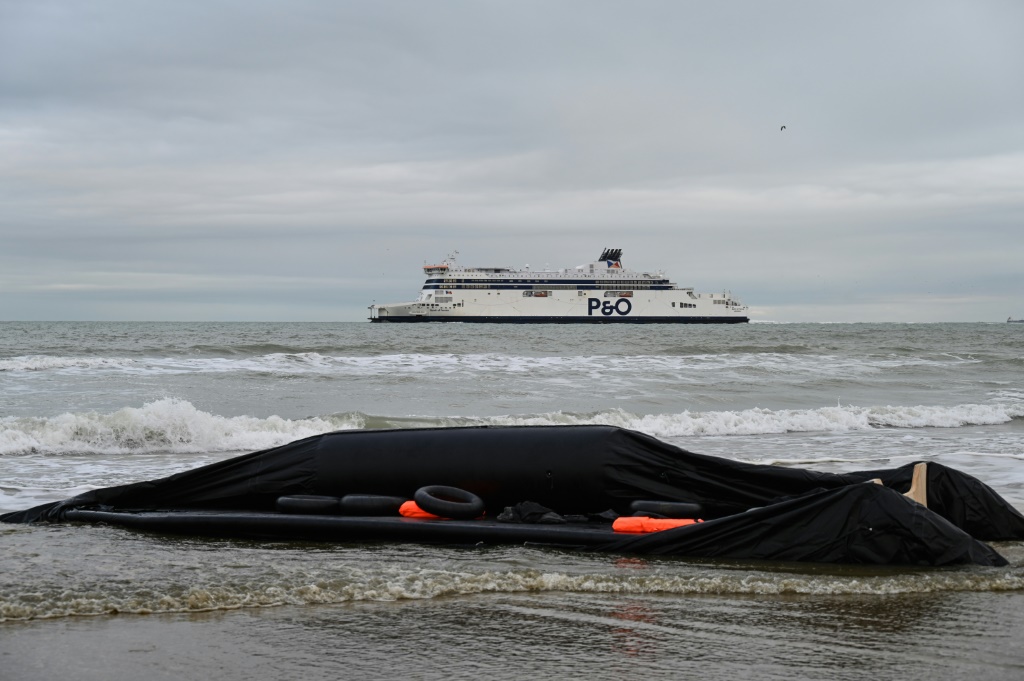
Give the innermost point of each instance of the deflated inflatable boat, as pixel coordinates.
(584, 475)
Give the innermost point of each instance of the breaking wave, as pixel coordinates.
(48, 363)
(346, 584)
(160, 426)
(174, 425)
(315, 363)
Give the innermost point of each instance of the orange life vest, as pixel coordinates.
(411, 509)
(640, 524)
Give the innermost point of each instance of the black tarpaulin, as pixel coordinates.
(248, 482)
(797, 514)
(860, 523)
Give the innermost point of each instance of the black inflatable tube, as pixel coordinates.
(667, 509)
(305, 504)
(348, 528)
(371, 504)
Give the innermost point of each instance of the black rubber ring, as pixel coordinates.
(449, 502)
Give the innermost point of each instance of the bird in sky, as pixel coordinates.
(782, 128)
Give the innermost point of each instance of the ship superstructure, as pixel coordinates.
(601, 292)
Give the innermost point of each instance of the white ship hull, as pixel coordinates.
(598, 293)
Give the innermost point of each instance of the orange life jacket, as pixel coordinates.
(411, 509)
(639, 524)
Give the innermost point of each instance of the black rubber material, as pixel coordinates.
(341, 528)
(449, 502)
(667, 509)
(761, 512)
(371, 504)
(307, 504)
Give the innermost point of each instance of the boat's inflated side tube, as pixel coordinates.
(308, 504)
(371, 504)
(667, 509)
(562, 468)
(449, 502)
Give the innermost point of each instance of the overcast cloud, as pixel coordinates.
(251, 160)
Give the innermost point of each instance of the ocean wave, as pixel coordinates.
(164, 425)
(669, 365)
(174, 425)
(840, 419)
(346, 584)
(51, 363)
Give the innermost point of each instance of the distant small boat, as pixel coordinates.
(1011, 320)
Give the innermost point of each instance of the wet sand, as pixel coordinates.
(549, 635)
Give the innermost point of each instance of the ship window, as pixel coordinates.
(673, 303)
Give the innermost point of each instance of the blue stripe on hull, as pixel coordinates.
(566, 320)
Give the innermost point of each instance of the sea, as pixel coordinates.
(88, 405)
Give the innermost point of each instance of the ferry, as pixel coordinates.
(600, 292)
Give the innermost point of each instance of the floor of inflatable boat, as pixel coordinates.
(257, 525)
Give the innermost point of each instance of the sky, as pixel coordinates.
(247, 160)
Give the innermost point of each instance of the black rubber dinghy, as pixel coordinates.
(584, 475)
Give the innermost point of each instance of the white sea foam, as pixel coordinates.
(48, 363)
(160, 426)
(172, 425)
(306, 363)
(840, 419)
(345, 584)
